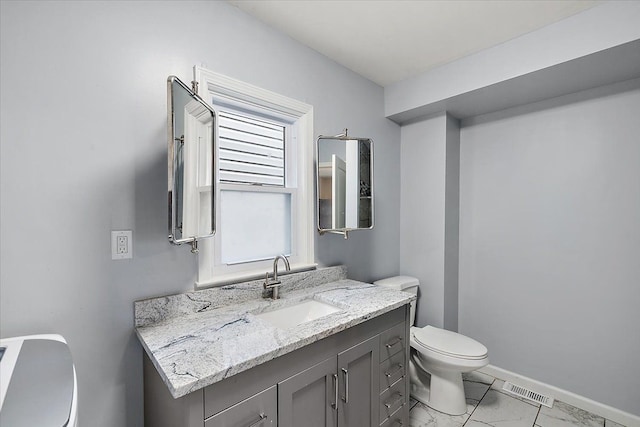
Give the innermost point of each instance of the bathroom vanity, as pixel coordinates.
(213, 360)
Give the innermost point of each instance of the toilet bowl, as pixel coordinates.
(438, 359)
(445, 355)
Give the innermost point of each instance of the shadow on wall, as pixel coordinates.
(151, 198)
(599, 92)
(134, 389)
(157, 268)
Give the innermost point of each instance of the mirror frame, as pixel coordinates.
(173, 161)
(344, 231)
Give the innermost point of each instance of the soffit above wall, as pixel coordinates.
(597, 47)
(609, 66)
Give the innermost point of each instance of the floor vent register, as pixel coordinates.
(527, 394)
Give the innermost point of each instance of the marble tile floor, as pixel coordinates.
(489, 406)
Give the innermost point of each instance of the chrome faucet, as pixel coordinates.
(275, 284)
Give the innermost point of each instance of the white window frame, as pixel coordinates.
(226, 90)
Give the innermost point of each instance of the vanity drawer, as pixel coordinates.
(392, 399)
(391, 370)
(400, 418)
(392, 341)
(260, 410)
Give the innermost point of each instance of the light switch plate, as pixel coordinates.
(121, 244)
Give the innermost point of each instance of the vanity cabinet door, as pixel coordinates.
(359, 388)
(309, 397)
(259, 410)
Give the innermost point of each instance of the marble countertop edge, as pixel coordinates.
(197, 350)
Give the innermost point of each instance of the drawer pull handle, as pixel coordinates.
(334, 405)
(258, 421)
(393, 402)
(394, 342)
(398, 369)
(346, 385)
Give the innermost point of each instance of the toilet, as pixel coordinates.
(438, 358)
(37, 371)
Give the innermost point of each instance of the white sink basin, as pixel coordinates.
(297, 314)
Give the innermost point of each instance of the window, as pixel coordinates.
(257, 189)
(264, 181)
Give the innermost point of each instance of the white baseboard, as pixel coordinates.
(605, 411)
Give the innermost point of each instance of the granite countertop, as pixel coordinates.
(194, 350)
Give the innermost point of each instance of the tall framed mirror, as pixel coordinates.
(191, 130)
(344, 184)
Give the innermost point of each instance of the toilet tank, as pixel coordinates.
(402, 283)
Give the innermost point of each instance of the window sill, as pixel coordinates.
(246, 276)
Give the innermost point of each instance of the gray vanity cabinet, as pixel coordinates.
(359, 375)
(257, 411)
(314, 396)
(308, 398)
(355, 378)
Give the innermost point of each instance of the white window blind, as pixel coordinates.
(251, 151)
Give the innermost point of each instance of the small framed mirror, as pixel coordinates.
(344, 184)
(191, 161)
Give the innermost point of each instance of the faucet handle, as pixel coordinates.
(267, 284)
(270, 288)
(266, 280)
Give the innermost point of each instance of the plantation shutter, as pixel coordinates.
(251, 151)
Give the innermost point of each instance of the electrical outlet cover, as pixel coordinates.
(121, 244)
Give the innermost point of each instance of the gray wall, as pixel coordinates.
(550, 241)
(451, 223)
(429, 216)
(83, 145)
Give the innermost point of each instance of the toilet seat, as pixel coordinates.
(449, 343)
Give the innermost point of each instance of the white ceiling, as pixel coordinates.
(387, 41)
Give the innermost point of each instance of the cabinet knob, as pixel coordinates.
(334, 405)
(259, 421)
(398, 399)
(394, 342)
(346, 385)
(390, 374)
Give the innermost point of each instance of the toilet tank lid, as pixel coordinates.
(398, 282)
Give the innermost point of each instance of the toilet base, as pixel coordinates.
(445, 390)
(447, 393)
(418, 385)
